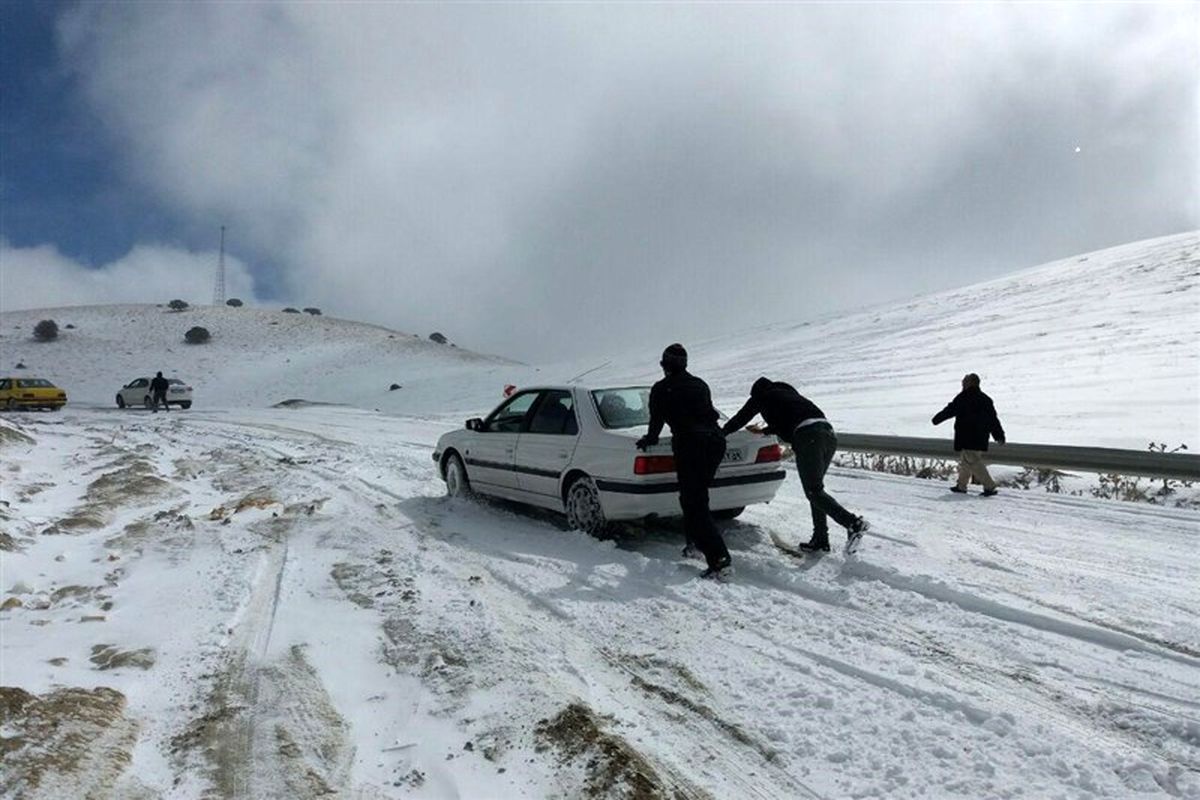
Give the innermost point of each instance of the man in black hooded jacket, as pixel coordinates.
(795, 419)
(974, 421)
(683, 401)
(158, 392)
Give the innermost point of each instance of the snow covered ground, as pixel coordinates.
(257, 602)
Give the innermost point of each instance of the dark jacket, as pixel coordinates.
(781, 406)
(158, 385)
(974, 420)
(682, 401)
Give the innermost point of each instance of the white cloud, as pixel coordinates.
(507, 172)
(41, 277)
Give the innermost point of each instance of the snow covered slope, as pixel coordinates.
(1100, 349)
(256, 357)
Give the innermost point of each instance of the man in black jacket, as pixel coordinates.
(683, 401)
(158, 392)
(795, 419)
(974, 420)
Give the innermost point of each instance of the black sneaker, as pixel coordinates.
(716, 570)
(990, 492)
(854, 535)
(958, 490)
(815, 545)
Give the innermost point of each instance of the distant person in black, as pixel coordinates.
(974, 420)
(158, 392)
(795, 419)
(683, 401)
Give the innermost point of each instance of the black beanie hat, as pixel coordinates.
(674, 358)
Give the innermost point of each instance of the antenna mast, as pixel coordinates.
(219, 288)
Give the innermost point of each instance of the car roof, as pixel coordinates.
(566, 387)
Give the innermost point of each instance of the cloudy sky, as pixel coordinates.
(546, 180)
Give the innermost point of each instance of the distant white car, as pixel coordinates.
(571, 449)
(137, 393)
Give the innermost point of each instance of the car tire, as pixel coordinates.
(147, 402)
(584, 512)
(186, 404)
(457, 482)
(11, 405)
(120, 401)
(728, 513)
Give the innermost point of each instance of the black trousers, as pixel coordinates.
(697, 457)
(161, 397)
(814, 446)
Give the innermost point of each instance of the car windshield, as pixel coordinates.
(625, 407)
(35, 383)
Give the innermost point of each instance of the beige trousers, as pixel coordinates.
(971, 465)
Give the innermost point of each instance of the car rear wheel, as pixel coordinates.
(457, 482)
(120, 401)
(186, 404)
(584, 511)
(728, 513)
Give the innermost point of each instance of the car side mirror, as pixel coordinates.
(474, 424)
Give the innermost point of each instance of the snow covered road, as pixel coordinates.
(281, 603)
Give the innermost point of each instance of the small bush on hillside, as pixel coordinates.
(393, 387)
(290, 310)
(196, 335)
(437, 337)
(46, 330)
(69, 326)
(177, 305)
(233, 301)
(316, 312)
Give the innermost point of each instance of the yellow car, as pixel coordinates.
(30, 393)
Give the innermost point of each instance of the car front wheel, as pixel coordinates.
(457, 483)
(147, 402)
(120, 401)
(728, 513)
(584, 511)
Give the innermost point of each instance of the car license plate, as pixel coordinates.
(732, 456)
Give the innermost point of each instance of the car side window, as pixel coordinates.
(5, 385)
(555, 414)
(140, 382)
(508, 417)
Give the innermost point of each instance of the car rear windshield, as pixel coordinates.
(35, 383)
(174, 382)
(627, 407)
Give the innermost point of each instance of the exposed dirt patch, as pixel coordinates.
(108, 656)
(728, 728)
(273, 732)
(133, 480)
(10, 436)
(66, 743)
(10, 544)
(612, 767)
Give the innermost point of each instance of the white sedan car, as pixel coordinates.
(137, 393)
(571, 449)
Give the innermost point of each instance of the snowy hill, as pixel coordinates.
(1100, 349)
(256, 357)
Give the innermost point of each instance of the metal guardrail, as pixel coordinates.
(1181, 466)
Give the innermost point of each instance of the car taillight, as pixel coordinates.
(653, 465)
(771, 452)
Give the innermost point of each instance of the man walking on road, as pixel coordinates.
(683, 401)
(795, 419)
(974, 420)
(158, 392)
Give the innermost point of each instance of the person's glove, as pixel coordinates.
(999, 440)
(645, 442)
